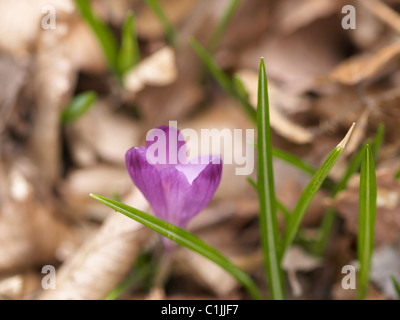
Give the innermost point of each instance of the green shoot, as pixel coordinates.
(266, 193)
(310, 191)
(169, 30)
(78, 106)
(366, 220)
(222, 25)
(129, 53)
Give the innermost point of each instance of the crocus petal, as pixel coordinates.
(167, 152)
(176, 192)
(202, 189)
(147, 179)
(193, 168)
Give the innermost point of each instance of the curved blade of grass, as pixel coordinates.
(169, 30)
(183, 238)
(102, 31)
(376, 144)
(78, 106)
(221, 26)
(141, 271)
(222, 79)
(279, 205)
(310, 191)
(366, 220)
(294, 160)
(396, 285)
(129, 54)
(354, 165)
(266, 192)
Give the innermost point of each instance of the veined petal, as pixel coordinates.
(176, 191)
(195, 166)
(147, 179)
(202, 189)
(165, 147)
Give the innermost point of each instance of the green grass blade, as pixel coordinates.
(142, 270)
(397, 174)
(310, 191)
(78, 106)
(102, 31)
(169, 30)
(129, 54)
(376, 144)
(266, 192)
(221, 26)
(279, 205)
(219, 75)
(185, 239)
(294, 161)
(352, 168)
(366, 220)
(396, 285)
(223, 80)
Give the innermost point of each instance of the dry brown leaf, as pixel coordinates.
(296, 259)
(383, 12)
(295, 14)
(102, 133)
(21, 24)
(157, 70)
(95, 179)
(366, 66)
(104, 259)
(281, 124)
(205, 272)
(31, 232)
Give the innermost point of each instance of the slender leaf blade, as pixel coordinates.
(310, 191)
(129, 53)
(183, 238)
(294, 161)
(222, 25)
(102, 31)
(78, 106)
(169, 30)
(366, 220)
(396, 285)
(266, 192)
(224, 81)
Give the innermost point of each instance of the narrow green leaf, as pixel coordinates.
(129, 54)
(266, 192)
(169, 30)
(376, 144)
(397, 174)
(78, 106)
(279, 205)
(239, 88)
(294, 160)
(141, 271)
(102, 31)
(221, 26)
(310, 191)
(220, 76)
(396, 285)
(330, 214)
(185, 239)
(224, 81)
(366, 220)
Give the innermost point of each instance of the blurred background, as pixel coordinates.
(322, 78)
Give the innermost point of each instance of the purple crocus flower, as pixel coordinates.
(176, 188)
